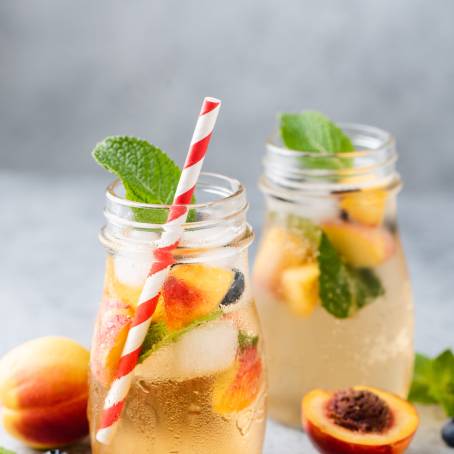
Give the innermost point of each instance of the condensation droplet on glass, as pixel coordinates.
(244, 421)
(194, 409)
(144, 386)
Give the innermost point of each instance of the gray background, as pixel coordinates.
(72, 72)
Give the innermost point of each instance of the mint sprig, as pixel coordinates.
(147, 173)
(433, 381)
(316, 133)
(344, 289)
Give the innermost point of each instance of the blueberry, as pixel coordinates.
(235, 290)
(447, 433)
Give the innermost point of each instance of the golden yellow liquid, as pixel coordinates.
(177, 418)
(374, 347)
(170, 407)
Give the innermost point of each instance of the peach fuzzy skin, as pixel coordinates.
(360, 245)
(330, 438)
(43, 391)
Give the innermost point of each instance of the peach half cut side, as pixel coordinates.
(331, 438)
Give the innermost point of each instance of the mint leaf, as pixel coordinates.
(366, 286)
(443, 372)
(314, 132)
(433, 381)
(246, 340)
(334, 283)
(422, 379)
(147, 173)
(159, 335)
(343, 289)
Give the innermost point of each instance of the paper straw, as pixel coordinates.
(163, 259)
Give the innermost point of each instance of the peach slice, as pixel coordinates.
(300, 288)
(366, 206)
(110, 335)
(360, 245)
(237, 388)
(280, 249)
(192, 291)
(360, 420)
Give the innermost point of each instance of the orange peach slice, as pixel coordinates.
(237, 388)
(391, 435)
(366, 206)
(300, 288)
(43, 391)
(360, 245)
(111, 330)
(280, 249)
(192, 291)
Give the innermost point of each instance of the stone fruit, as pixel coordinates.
(360, 245)
(280, 249)
(192, 291)
(300, 288)
(111, 330)
(238, 387)
(447, 433)
(43, 391)
(366, 206)
(360, 420)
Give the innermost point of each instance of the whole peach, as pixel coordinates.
(43, 391)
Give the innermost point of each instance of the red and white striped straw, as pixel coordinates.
(163, 259)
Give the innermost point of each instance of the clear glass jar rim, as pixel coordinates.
(386, 139)
(113, 196)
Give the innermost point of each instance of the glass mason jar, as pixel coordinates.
(330, 277)
(199, 386)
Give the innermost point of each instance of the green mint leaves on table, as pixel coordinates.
(159, 334)
(147, 173)
(314, 132)
(343, 289)
(433, 381)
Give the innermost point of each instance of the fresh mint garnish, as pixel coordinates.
(246, 340)
(147, 173)
(433, 381)
(314, 132)
(159, 335)
(343, 289)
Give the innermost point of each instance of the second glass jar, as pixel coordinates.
(330, 276)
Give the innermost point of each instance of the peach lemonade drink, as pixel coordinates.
(330, 275)
(199, 386)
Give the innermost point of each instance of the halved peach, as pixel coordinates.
(366, 206)
(280, 249)
(360, 245)
(300, 288)
(360, 420)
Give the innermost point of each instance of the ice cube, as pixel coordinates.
(207, 349)
(160, 365)
(132, 269)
